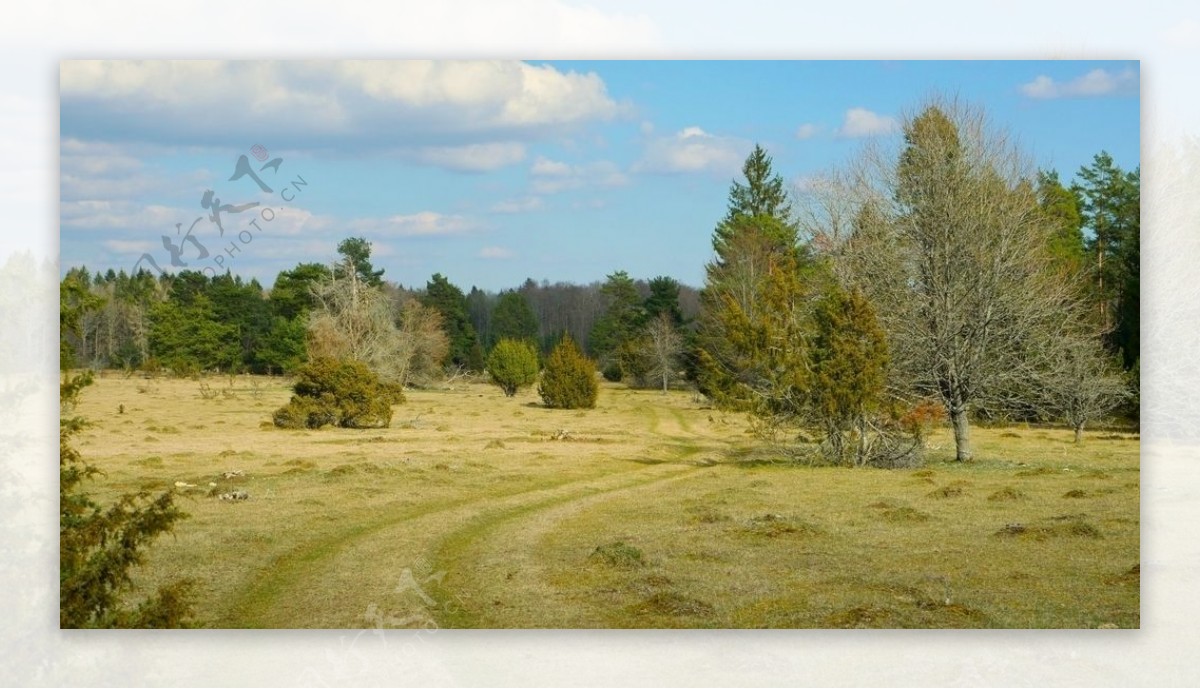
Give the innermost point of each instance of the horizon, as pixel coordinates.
(492, 173)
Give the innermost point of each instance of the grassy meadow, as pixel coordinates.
(476, 510)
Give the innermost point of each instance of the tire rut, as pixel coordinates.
(320, 559)
(453, 608)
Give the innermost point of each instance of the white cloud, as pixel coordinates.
(98, 170)
(552, 176)
(521, 205)
(807, 130)
(123, 215)
(1098, 82)
(861, 122)
(693, 150)
(470, 115)
(422, 224)
(473, 157)
(495, 252)
(130, 247)
(545, 166)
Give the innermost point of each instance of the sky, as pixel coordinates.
(493, 172)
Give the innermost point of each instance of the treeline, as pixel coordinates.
(189, 322)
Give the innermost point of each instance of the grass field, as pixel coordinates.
(476, 510)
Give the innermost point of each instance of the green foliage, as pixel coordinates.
(292, 294)
(75, 300)
(357, 251)
(1111, 208)
(341, 393)
(762, 196)
(99, 546)
(283, 349)
(1061, 207)
(621, 320)
(635, 360)
(569, 381)
(664, 298)
(849, 366)
(752, 342)
(241, 305)
(513, 318)
(186, 335)
(612, 372)
(513, 364)
(476, 360)
(451, 303)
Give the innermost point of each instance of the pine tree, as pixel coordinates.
(450, 301)
(622, 319)
(357, 251)
(1111, 209)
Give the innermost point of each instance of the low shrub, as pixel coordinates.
(331, 392)
(569, 381)
(512, 364)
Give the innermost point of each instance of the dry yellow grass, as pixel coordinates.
(476, 510)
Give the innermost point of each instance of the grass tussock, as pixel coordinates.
(901, 515)
(1070, 528)
(672, 604)
(1007, 494)
(618, 554)
(1037, 471)
(352, 469)
(773, 525)
(954, 489)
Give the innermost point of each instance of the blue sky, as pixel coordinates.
(493, 172)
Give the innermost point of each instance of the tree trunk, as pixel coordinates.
(861, 460)
(962, 435)
(1078, 433)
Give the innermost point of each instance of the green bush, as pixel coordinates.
(100, 546)
(512, 364)
(612, 372)
(339, 393)
(569, 381)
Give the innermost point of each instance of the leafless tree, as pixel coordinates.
(665, 345)
(353, 320)
(1082, 385)
(950, 246)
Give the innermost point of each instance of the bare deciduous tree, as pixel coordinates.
(665, 346)
(950, 246)
(353, 320)
(1082, 385)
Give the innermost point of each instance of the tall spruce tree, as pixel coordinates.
(450, 301)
